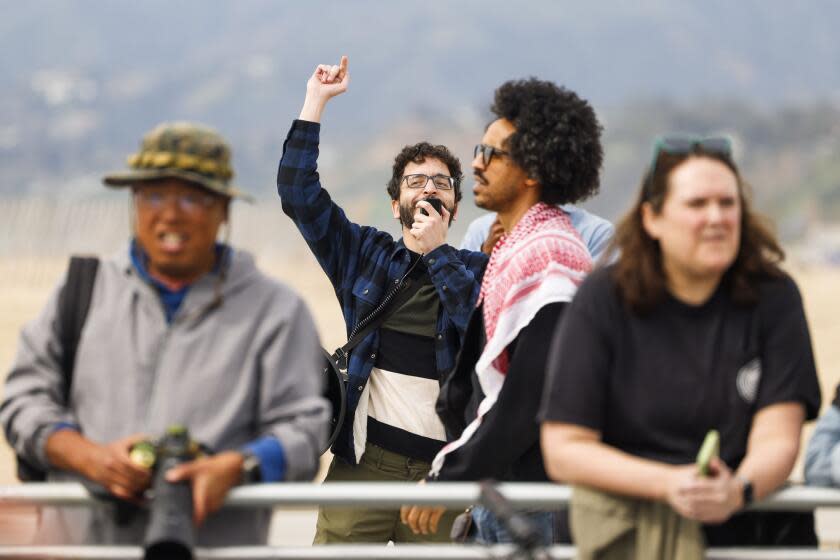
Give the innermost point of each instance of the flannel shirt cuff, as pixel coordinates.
(304, 126)
(439, 258)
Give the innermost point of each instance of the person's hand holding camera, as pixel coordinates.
(211, 479)
(106, 464)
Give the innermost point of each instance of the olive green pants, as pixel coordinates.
(341, 525)
(610, 527)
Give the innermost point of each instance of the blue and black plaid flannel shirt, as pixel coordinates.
(363, 263)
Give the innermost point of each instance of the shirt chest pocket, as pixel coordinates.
(366, 296)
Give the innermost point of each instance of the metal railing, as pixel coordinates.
(386, 495)
(379, 552)
(392, 494)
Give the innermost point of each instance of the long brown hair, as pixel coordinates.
(638, 271)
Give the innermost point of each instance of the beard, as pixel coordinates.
(407, 212)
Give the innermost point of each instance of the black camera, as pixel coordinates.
(170, 533)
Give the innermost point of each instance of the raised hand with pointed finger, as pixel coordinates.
(326, 82)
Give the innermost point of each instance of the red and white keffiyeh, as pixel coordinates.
(541, 261)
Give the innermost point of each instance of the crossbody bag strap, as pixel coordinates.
(392, 301)
(73, 305)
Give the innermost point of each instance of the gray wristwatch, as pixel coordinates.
(251, 472)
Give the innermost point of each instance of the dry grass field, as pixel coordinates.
(26, 280)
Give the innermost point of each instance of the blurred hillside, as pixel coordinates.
(82, 80)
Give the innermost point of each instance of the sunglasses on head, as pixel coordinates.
(684, 145)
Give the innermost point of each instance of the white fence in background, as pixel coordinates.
(44, 227)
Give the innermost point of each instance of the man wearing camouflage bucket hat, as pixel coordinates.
(181, 150)
(181, 329)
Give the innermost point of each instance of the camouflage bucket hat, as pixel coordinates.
(181, 150)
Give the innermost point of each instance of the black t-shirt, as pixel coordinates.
(407, 352)
(653, 384)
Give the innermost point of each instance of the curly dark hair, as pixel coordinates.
(557, 139)
(638, 271)
(418, 153)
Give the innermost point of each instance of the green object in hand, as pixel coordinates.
(143, 454)
(709, 449)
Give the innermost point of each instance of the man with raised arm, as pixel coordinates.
(391, 431)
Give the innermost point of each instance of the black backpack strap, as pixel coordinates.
(392, 301)
(73, 306)
(336, 369)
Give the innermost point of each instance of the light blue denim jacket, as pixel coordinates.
(822, 457)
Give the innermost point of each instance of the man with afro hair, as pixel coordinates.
(543, 149)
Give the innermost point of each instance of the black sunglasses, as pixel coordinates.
(487, 153)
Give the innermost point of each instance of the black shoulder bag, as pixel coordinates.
(73, 305)
(335, 367)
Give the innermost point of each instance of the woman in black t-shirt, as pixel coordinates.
(694, 328)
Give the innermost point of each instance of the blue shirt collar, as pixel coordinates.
(171, 299)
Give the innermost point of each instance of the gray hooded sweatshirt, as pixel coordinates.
(230, 372)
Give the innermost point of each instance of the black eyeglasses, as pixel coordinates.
(684, 145)
(487, 153)
(419, 180)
